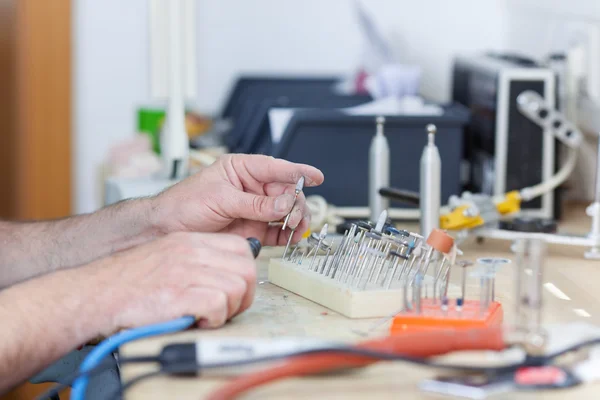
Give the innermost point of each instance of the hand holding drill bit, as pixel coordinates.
(299, 188)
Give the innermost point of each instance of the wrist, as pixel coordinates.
(155, 214)
(134, 222)
(85, 300)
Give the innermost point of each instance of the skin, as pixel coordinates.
(182, 252)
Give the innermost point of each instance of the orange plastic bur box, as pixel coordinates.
(432, 316)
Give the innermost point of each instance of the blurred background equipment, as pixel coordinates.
(503, 149)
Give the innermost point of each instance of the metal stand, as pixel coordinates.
(593, 211)
(591, 240)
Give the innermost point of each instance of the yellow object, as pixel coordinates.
(306, 234)
(511, 203)
(457, 219)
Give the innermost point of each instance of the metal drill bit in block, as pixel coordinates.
(464, 264)
(322, 236)
(396, 257)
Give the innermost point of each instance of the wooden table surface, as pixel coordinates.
(277, 313)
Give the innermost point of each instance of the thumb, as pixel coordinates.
(262, 208)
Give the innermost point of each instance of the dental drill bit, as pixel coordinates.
(446, 282)
(299, 188)
(322, 236)
(320, 270)
(337, 253)
(438, 275)
(376, 235)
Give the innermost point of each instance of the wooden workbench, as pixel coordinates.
(277, 313)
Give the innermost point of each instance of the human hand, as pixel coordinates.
(240, 194)
(209, 276)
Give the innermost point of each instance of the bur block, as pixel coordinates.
(433, 317)
(373, 301)
(348, 301)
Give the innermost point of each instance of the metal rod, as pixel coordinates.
(440, 268)
(287, 246)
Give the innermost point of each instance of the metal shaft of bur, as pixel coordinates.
(322, 268)
(360, 264)
(341, 269)
(346, 267)
(351, 261)
(407, 305)
(447, 281)
(422, 261)
(342, 255)
(389, 262)
(404, 265)
(291, 259)
(411, 265)
(386, 269)
(427, 262)
(386, 250)
(309, 253)
(287, 246)
(375, 261)
(394, 267)
(317, 248)
(337, 269)
(338, 252)
(437, 277)
(371, 259)
(301, 258)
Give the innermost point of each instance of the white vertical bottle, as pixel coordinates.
(379, 170)
(431, 184)
(174, 142)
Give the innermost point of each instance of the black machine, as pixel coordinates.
(503, 149)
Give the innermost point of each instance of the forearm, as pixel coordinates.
(34, 248)
(42, 320)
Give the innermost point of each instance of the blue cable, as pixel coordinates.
(112, 343)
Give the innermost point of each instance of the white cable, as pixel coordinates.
(321, 212)
(556, 180)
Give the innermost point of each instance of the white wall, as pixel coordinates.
(260, 36)
(110, 45)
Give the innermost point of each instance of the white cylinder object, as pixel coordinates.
(379, 171)
(430, 184)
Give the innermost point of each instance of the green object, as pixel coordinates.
(149, 122)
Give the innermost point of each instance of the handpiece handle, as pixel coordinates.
(404, 196)
(255, 246)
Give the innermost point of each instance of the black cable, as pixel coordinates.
(181, 368)
(383, 356)
(54, 391)
(166, 370)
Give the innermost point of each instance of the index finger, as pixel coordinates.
(267, 169)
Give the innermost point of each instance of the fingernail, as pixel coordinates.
(284, 202)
